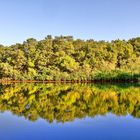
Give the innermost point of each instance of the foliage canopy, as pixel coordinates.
(65, 58)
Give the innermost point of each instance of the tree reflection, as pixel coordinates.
(65, 102)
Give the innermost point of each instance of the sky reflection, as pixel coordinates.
(100, 127)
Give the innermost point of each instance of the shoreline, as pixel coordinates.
(72, 81)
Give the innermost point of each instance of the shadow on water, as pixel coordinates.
(66, 102)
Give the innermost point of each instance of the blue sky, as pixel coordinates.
(85, 19)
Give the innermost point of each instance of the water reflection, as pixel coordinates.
(66, 102)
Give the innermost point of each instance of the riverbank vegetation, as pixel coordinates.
(65, 58)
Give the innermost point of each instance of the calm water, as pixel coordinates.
(69, 112)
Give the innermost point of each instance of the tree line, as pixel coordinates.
(66, 58)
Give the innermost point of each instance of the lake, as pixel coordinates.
(69, 111)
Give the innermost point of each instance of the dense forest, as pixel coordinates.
(66, 58)
(66, 102)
